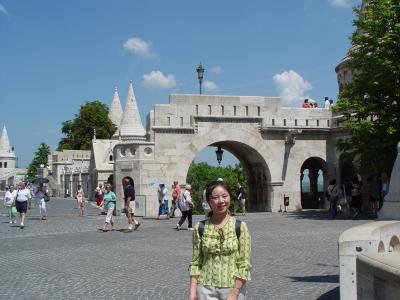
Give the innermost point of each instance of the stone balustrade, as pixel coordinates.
(372, 249)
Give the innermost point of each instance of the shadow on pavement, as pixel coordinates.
(322, 214)
(319, 278)
(331, 295)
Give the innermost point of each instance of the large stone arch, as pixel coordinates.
(250, 157)
(313, 198)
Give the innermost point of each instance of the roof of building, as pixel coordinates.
(5, 147)
(102, 150)
(115, 112)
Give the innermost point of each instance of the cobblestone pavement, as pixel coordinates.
(66, 257)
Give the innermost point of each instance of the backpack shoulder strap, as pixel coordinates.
(202, 225)
(238, 223)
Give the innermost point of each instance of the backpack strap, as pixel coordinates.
(202, 225)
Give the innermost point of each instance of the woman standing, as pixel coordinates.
(186, 205)
(9, 203)
(334, 194)
(39, 198)
(356, 196)
(110, 200)
(79, 196)
(220, 265)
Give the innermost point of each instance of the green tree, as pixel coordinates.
(200, 174)
(41, 156)
(79, 131)
(371, 102)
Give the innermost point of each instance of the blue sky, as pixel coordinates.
(56, 55)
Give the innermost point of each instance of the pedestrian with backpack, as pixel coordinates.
(220, 265)
(186, 205)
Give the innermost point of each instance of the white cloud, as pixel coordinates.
(3, 9)
(216, 69)
(157, 80)
(139, 47)
(340, 3)
(292, 88)
(209, 86)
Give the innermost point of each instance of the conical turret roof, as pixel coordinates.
(131, 123)
(5, 147)
(115, 112)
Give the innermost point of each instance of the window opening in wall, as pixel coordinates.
(197, 109)
(317, 122)
(234, 110)
(258, 111)
(273, 122)
(181, 121)
(169, 121)
(306, 122)
(284, 122)
(247, 110)
(327, 123)
(306, 183)
(111, 158)
(295, 122)
(5, 165)
(222, 110)
(209, 109)
(1, 165)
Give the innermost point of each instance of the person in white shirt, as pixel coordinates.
(327, 103)
(40, 193)
(9, 198)
(23, 201)
(186, 206)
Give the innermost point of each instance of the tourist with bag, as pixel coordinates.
(220, 265)
(110, 200)
(40, 195)
(186, 205)
(9, 198)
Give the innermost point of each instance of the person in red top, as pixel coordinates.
(176, 190)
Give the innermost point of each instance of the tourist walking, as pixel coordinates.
(129, 197)
(110, 200)
(186, 206)
(356, 196)
(240, 198)
(9, 199)
(80, 198)
(40, 194)
(23, 202)
(162, 201)
(334, 195)
(220, 265)
(176, 190)
(99, 194)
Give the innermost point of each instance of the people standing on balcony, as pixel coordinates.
(327, 103)
(9, 198)
(306, 104)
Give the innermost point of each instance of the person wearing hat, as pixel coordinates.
(186, 207)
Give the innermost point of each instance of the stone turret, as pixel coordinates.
(115, 113)
(7, 154)
(131, 124)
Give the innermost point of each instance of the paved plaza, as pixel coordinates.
(65, 257)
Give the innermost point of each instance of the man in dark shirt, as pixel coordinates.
(129, 196)
(241, 201)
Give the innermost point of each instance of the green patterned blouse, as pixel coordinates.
(219, 257)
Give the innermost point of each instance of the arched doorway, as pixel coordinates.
(256, 169)
(312, 183)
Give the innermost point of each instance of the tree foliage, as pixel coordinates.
(79, 131)
(41, 157)
(200, 174)
(370, 103)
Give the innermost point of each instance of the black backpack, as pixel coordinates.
(202, 225)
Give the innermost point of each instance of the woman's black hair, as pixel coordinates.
(211, 186)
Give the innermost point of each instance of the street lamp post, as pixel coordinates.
(200, 74)
(219, 153)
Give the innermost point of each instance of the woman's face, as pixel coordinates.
(11, 188)
(220, 200)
